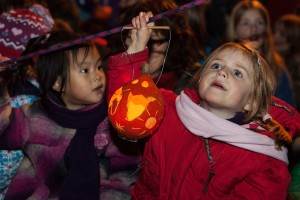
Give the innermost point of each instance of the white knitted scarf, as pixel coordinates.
(203, 123)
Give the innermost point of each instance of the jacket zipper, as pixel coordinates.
(211, 171)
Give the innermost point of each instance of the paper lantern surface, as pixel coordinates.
(136, 109)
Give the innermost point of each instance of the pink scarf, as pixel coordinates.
(203, 123)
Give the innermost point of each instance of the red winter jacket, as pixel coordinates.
(176, 163)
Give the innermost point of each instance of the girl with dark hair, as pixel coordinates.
(58, 132)
(70, 150)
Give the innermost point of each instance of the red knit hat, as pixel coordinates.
(17, 27)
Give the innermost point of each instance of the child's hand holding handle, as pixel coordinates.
(140, 35)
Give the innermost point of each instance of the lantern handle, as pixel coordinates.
(166, 53)
(150, 27)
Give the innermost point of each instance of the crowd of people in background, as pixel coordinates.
(175, 54)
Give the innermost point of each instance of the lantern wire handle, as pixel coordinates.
(127, 55)
(163, 65)
(166, 53)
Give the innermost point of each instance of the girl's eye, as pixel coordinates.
(216, 66)
(100, 68)
(157, 43)
(261, 22)
(244, 23)
(86, 70)
(238, 74)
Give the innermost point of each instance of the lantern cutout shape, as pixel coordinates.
(136, 109)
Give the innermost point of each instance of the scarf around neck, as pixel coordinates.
(203, 123)
(82, 180)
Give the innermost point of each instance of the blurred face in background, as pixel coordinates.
(157, 45)
(281, 44)
(251, 27)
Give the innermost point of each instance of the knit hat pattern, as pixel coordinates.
(17, 27)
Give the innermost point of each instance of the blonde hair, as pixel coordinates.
(263, 78)
(268, 51)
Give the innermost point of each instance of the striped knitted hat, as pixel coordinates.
(20, 25)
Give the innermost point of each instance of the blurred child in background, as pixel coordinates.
(250, 21)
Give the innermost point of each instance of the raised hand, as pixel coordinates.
(141, 34)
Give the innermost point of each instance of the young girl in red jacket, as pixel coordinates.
(216, 141)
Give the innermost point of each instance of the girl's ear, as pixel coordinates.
(250, 105)
(57, 85)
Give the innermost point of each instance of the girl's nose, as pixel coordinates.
(97, 76)
(222, 73)
(253, 29)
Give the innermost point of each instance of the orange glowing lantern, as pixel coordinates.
(136, 109)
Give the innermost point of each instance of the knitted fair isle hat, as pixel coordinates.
(16, 28)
